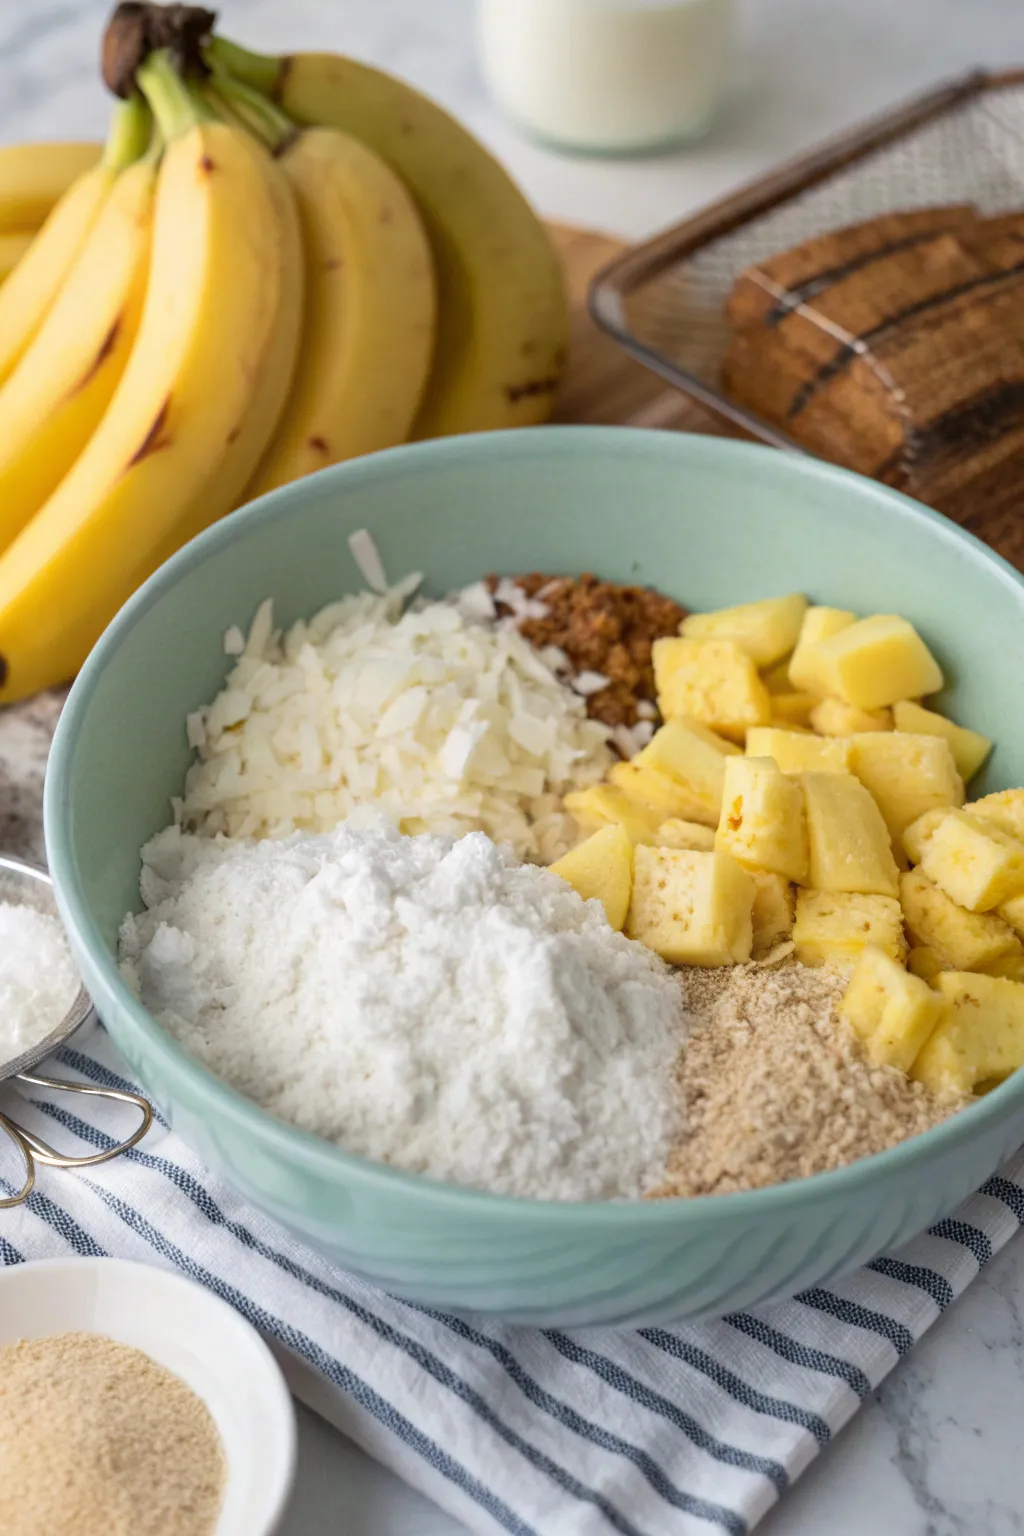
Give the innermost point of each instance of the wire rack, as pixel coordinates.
(664, 300)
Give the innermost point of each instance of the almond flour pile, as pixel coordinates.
(775, 1085)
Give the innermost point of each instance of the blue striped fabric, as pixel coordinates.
(662, 1432)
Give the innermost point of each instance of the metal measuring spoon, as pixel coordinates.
(17, 880)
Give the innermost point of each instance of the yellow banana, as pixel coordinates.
(34, 176)
(32, 286)
(368, 335)
(196, 405)
(13, 246)
(54, 399)
(503, 322)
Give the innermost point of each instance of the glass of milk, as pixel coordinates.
(607, 76)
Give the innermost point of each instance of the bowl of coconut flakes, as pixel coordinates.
(392, 837)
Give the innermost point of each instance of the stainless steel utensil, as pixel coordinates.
(25, 885)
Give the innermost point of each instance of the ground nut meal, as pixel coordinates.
(771, 936)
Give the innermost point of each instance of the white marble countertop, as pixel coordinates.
(937, 1452)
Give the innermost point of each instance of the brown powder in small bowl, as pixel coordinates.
(96, 1439)
(776, 1086)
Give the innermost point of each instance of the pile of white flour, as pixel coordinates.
(427, 1003)
(38, 979)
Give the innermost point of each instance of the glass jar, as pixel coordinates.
(607, 76)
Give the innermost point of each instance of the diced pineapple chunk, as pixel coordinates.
(915, 837)
(969, 749)
(981, 1039)
(692, 908)
(766, 630)
(819, 624)
(925, 962)
(776, 678)
(675, 833)
(833, 927)
(965, 940)
(713, 681)
(654, 790)
(848, 845)
(891, 1012)
(602, 868)
(1011, 966)
(907, 775)
(834, 717)
(977, 864)
(763, 817)
(877, 661)
(1005, 808)
(1012, 912)
(693, 758)
(792, 709)
(796, 753)
(603, 804)
(774, 901)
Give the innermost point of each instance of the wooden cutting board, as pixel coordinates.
(605, 385)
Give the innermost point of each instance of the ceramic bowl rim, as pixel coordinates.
(331, 1162)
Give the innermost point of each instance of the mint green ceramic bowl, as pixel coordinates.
(711, 523)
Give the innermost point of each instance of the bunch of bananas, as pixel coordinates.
(273, 264)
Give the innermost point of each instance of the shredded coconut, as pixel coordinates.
(427, 1003)
(436, 717)
(38, 980)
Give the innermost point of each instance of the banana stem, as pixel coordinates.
(176, 106)
(259, 70)
(131, 127)
(256, 112)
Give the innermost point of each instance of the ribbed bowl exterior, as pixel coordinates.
(710, 522)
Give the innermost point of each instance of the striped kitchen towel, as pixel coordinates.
(661, 1432)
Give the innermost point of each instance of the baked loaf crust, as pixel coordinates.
(896, 347)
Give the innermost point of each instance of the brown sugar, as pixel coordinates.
(602, 627)
(776, 1086)
(96, 1439)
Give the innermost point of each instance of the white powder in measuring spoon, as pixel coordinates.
(38, 980)
(427, 1003)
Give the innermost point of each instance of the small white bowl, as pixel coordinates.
(190, 1332)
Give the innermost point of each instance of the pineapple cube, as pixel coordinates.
(766, 630)
(981, 1038)
(713, 681)
(792, 709)
(966, 940)
(692, 908)
(1005, 808)
(796, 753)
(848, 845)
(763, 817)
(603, 804)
(978, 865)
(1012, 912)
(772, 915)
(675, 833)
(877, 661)
(907, 775)
(834, 717)
(654, 790)
(1011, 966)
(694, 759)
(776, 678)
(969, 749)
(819, 624)
(833, 927)
(915, 837)
(891, 1012)
(925, 962)
(602, 868)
